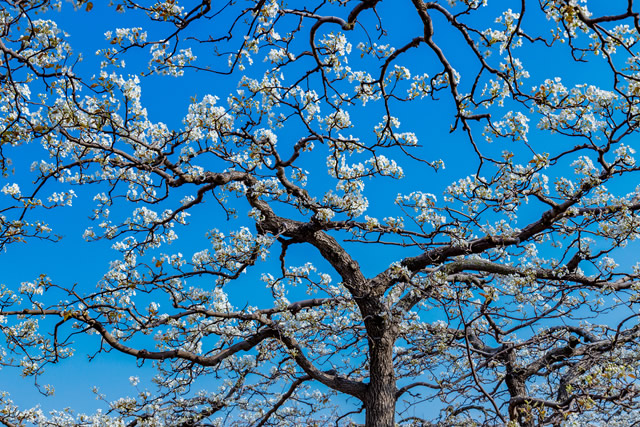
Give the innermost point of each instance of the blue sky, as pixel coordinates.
(73, 260)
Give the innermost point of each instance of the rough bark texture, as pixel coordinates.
(380, 400)
(516, 386)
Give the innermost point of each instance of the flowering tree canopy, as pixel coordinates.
(286, 245)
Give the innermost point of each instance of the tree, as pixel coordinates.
(341, 278)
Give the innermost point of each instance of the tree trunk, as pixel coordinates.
(516, 386)
(380, 402)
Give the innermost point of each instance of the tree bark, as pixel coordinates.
(380, 401)
(516, 385)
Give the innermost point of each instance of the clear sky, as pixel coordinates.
(76, 261)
